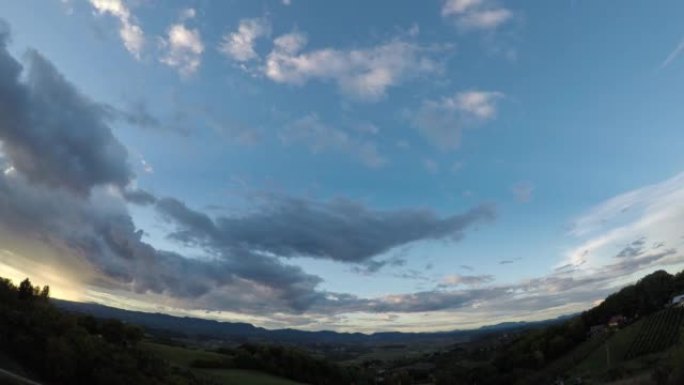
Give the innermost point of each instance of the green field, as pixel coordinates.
(183, 357)
(180, 356)
(246, 377)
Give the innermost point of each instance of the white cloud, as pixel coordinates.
(239, 45)
(651, 214)
(131, 33)
(183, 48)
(146, 166)
(476, 14)
(364, 73)
(442, 121)
(320, 137)
(287, 2)
(468, 280)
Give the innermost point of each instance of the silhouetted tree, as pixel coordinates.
(25, 290)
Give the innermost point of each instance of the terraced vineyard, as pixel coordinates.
(659, 332)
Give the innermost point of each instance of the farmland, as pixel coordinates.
(657, 333)
(185, 357)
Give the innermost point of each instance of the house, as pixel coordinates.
(617, 321)
(678, 301)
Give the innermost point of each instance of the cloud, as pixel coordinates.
(676, 52)
(101, 235)
(509, 261)
(467, 280)
(184, 48)
(619, 227)
(363, 74)
(320, 137)
(650, 201)
(373, 266)
(634, 249)
(139, 197)
(523, 191)
(239, 45)
(481, 15)
(135, 113)
(53, 134)
(340, 230)
(442, 121)
(130, 32)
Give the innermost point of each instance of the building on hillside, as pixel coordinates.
(617, 321)
(678, 301)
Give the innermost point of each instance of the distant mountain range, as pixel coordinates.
(203, 329)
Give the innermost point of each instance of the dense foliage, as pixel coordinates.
(70, 350)
(288, 362)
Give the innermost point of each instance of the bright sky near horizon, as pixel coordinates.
(345, 165)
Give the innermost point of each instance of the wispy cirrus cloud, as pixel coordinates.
(631, 226)
(674, 54)
(320, 137)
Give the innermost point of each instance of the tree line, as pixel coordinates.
(68, 349)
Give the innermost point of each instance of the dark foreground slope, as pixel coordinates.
(60, 348)
(570, 351)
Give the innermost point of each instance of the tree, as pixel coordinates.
(45, 292)
(25, 290)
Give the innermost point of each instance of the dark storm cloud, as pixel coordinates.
(139, 197)
(340, 230)
(52, 136)
(101, 231)
(194, 224)
(50, 132)
(373, 266)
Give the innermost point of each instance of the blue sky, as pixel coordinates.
(461, 153)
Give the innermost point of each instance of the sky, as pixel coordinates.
(341, 165)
